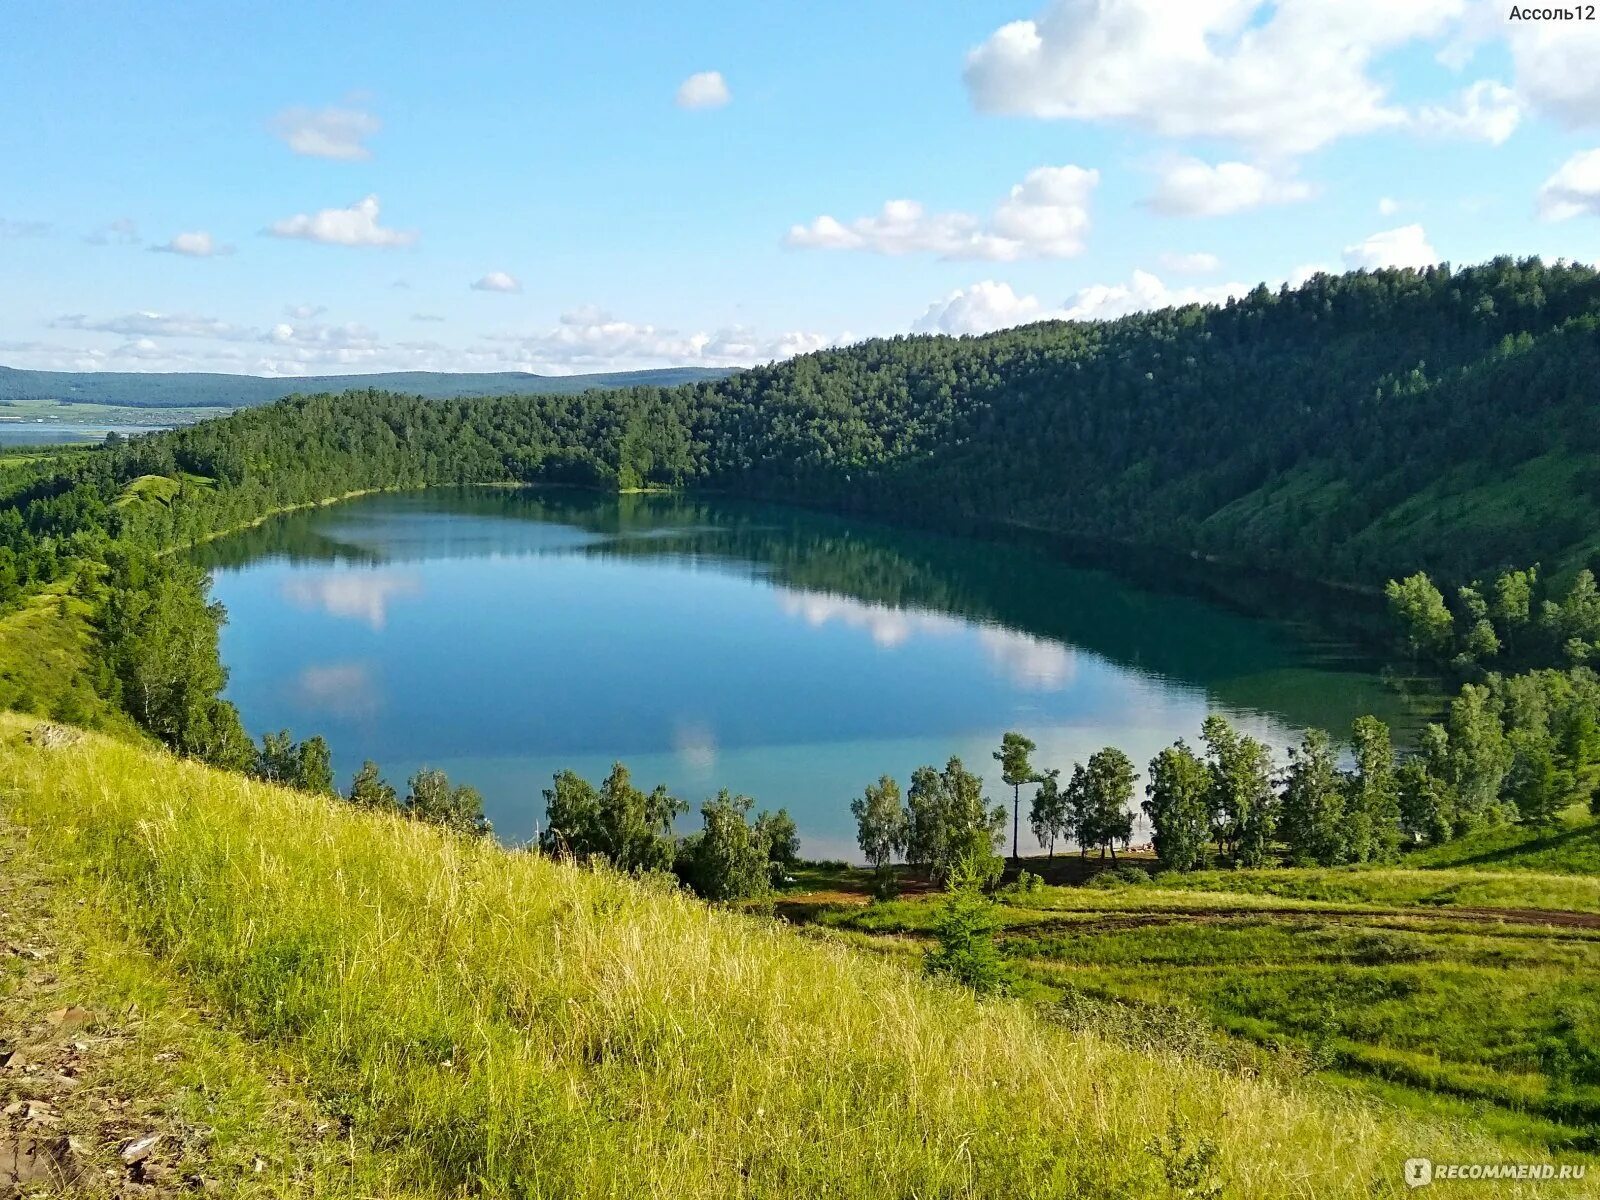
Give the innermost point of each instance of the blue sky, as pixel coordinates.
(287, 188)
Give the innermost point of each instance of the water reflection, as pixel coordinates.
(792, 656)
(346, 689)
(364, 596)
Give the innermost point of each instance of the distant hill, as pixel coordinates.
(198, 389)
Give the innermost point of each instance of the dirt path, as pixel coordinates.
(114, 1083)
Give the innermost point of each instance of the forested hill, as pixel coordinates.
(199, 389)
(1355, 428)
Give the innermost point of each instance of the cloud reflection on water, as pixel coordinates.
(363, 596)
(345, 689)
(1027, 662)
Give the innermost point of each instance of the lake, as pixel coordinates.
(502, 635)
(58, 433)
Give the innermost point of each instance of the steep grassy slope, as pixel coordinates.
(519, 1027)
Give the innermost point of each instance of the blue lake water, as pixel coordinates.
(792, 656)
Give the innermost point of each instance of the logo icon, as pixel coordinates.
(1419, 1172)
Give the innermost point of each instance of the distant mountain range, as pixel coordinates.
(198, 389)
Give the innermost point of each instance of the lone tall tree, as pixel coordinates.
(1016, 770)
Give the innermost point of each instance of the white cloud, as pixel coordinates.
(156, 324)
(1574, 190)
(1487, 111)
(196, 244)
(1191, 188)
(497, 281)
(422, 316)
(981, 308)
(1406, 246)
(704, 89)
(1044, 216)
(303, 312)
(1285, 77)
(590, 339)
(323, 337)
(353, 226)
(1198, 263)
(585, 340)
(1555, 66)
(123, 232)
(327, 132)
(1388, 206)
(1143, 293)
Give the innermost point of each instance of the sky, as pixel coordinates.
(289, 188)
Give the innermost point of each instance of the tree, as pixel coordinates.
(1372, 794)
(949, 820)
(215, 735)
(1241, 792)
(1421, 611)
(1573, 625)
(632, 828)
(1102, 791)
(616, 823)
(368, 789)
(314, 767)
(727, 859)
(1425, 804)
(1512, 603)
(1533, 782)
(572, 816)
(157, 638)
(1313, 820)
(1015, 770)
(1179, 807)
(458, 809)
(1478, 758)
(964, 930)
(1480, 641)
(1048, 817)
(275, 762)
(783, 840)
(881, 822)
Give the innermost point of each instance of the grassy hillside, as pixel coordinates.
(199, 389)
(45, 662)
(1444, 986)
(513, 1026)
(1570, 847)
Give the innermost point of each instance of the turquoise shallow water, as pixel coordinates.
(788, 655)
